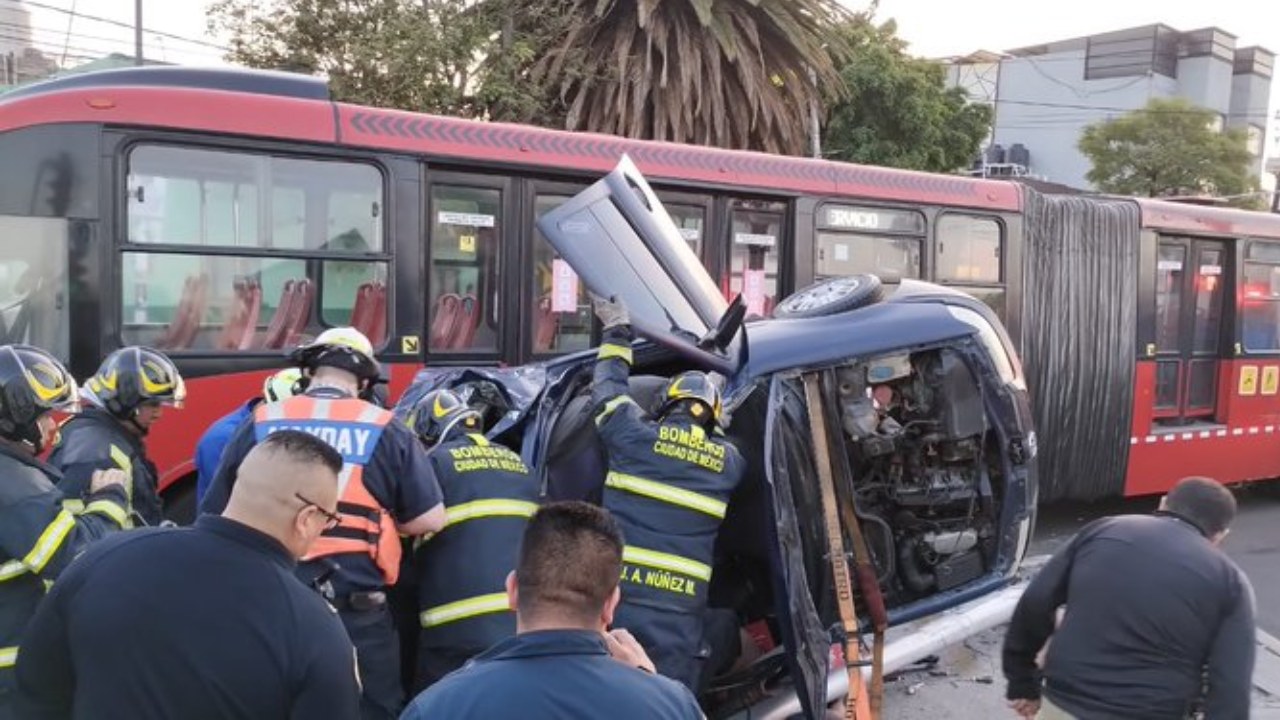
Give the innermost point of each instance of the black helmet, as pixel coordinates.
(698, 389)
(135, 376)
(344, 348)
(439, 412)
(32, 383)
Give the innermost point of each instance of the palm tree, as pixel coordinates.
(731, 73)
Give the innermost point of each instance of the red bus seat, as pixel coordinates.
(187, 320)
(546, 324)
(442, 320)
(377, 332)
(362, 310)
(237, 316)
(466, 322)
(277, 330)
(300, 310)
(250, 329)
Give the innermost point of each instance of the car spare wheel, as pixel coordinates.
(831, 296)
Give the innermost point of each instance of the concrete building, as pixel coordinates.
(1044, 95)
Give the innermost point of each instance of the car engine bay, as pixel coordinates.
(922, 462)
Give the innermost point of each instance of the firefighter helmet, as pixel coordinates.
(32, 383)
(344, 348)
(135, 376)
(283, 384)
(698, 390)
(439, 412)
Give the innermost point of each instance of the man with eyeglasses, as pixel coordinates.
(386, 489)
(202, 622)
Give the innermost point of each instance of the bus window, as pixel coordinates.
(1260, 311)
(854, 239)
(1169, 273)
(182, 199)
(466, 230)
(691, 219)
(187, 196)
(215, 303)
(753, 253)
(561, 312)
(968, 256)
(891, 258)
(968, 250)
(33, 283)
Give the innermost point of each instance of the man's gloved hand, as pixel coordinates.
(611, 312)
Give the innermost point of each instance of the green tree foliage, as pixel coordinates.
(1170, 147)
(419, 55)
(896, 110)
(730, 73)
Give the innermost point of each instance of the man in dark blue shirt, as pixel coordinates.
(563, 663)
(206, 622)
(278, 386)
(1157, 620)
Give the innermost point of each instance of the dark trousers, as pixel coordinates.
(378, 653)
(434, 663)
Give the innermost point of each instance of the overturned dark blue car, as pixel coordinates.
(888, 434)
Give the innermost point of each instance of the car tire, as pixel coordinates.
(831, 297)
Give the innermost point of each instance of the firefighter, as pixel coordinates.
(125, 399)
(387, 488)
(461, 572)
(280, 385)
(669, 481)
(38, 536)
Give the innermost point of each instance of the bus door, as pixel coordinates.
(1190, 279)
(755, 238)
(470, 313)
(692, 214)
(558, 312)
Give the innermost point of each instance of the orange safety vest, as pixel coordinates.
(353, 428)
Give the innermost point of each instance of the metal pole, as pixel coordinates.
(1275, 195)
(815, 125)
(137, 32)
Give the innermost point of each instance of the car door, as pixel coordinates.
(618, 237)
(796, 555)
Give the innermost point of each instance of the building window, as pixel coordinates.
(307, 250)
(1254, 139)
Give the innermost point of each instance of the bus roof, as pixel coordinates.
(1170, 216)
(273, 105)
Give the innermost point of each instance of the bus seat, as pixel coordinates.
(250, 328)
(237, 314)
(360, 311)
(300, 310)
(546, 323)
(277, 329)
(466, 322)
(171, 332)
(378, 318)
(186, 316)
(442, 321)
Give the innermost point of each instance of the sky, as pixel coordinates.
(934, 28)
